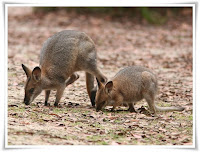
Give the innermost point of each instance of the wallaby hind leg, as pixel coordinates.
(72, 78)
(150, 89)
(59, 94)
(47, 93)
(90, 88)
(95, 71)
(100, 76)
(151, 105)
(91, 72)
(149, 97)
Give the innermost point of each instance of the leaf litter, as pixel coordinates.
(166, 49)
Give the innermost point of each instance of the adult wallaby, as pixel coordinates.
(130, 85)
(61, 56)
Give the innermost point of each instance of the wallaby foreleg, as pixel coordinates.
(59, 94)
(118, 102)
(131, 107)
(47, 93)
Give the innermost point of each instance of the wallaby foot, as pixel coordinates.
(113, 109)
(59, 94)
(47, 93)
(57, 105)
(47, 104)
(154, 115)
(131, 108)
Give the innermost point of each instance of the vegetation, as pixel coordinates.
(153, 15)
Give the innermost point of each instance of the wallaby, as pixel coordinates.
(130, 85)
(61, 56)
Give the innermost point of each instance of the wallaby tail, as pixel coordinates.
(169, 108)
(90, 87)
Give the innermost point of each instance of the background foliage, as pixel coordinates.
(154, 15)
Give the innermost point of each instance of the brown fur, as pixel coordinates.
(61, 56)
(130, 85)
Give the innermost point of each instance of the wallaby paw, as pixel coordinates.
(47, 104)
(132, 110)
(154, 115)
(57, 105)
(113, 110)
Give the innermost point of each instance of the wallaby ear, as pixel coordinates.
(36, 74)
(26, 70)
(99, 83)
(109, 86)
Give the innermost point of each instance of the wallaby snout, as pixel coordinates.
(26, 101)
(100, 106)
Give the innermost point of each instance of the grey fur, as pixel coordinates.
(61, 56)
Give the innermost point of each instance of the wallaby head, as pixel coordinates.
(103, 95)
(33, 84)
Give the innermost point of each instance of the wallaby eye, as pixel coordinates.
(31, 90)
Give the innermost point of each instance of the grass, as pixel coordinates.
(102, 143)
(12, 74)
(17, 109)
(94, 138)
(105, 130)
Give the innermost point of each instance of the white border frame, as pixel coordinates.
(92, 148)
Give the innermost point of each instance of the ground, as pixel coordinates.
(166, 49)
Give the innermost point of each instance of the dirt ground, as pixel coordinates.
(167, 49)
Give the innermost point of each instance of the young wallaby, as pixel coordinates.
(130, 85)
(61, 56)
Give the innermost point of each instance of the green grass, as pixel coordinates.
(118, 121)
(12, 74)
(178, 116)
(60, 110)
(94, 138)
(102, 143)
(17, 109)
